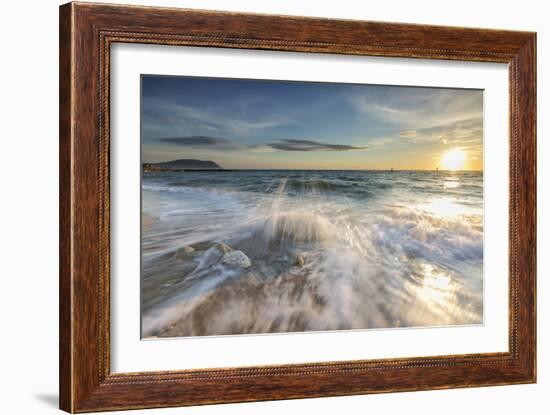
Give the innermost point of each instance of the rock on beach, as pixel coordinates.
(236, 259)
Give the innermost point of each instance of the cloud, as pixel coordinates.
(207, 142)
(165, 117)
(465, 134)
(407, 133)
(309, 145)
(196, 141)
(414, 108)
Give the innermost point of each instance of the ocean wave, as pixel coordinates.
(320, 260)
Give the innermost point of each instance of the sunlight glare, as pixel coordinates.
(437, 287)
(444, 207)
(454, 159)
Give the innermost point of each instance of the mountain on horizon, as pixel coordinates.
(182, 164)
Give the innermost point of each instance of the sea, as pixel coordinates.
(276, 251)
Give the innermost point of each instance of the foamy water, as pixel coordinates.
(327, 250)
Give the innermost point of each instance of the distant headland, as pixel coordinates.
(182, 165)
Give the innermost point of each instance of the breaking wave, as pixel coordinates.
(310, 256)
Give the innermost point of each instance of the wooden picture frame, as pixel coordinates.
(86, 33)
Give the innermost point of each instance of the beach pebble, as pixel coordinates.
(236, 258)
(222, 247)
(298, 260)
(184, 251)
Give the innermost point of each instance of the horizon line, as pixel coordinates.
(321, 169)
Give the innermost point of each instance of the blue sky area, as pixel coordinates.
(258, 124)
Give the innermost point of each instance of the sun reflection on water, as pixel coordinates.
(433, 294)
(436, 286)
(451, 184)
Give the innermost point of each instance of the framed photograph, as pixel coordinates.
(260, 207)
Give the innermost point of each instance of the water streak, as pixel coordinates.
(329, 250)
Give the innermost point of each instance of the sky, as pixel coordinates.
(259, 124)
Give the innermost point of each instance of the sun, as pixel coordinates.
(454, 159)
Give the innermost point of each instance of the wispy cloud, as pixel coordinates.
(162, 115)
(196, 141)
(466, 135)
(407, 133)
(414, 108)
(309, 145)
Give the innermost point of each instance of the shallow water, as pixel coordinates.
(328, 250)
